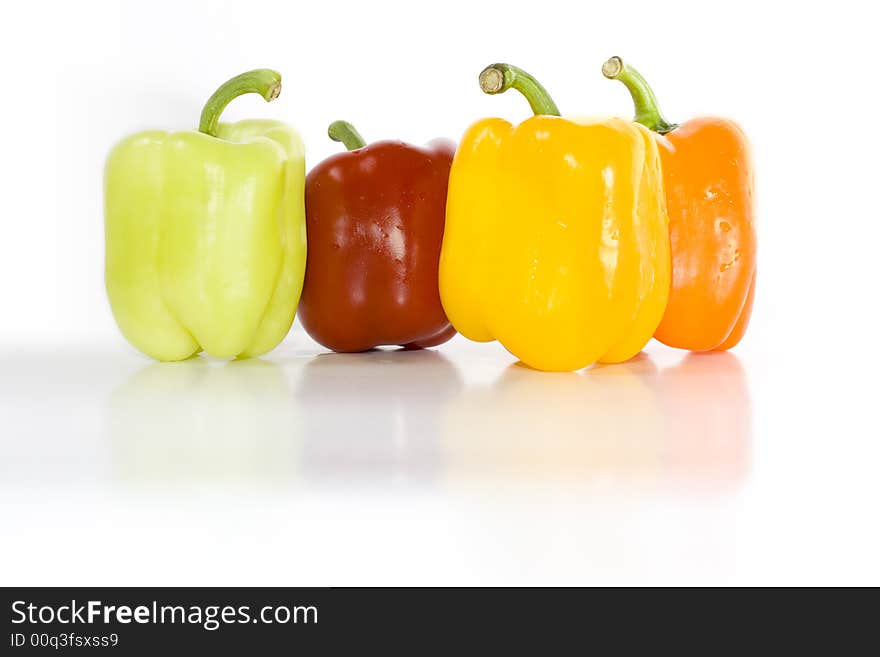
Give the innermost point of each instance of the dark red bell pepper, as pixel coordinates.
(374, 222)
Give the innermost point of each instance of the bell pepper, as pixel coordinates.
(709, 180)
(205, 232)
(375, 223)
(556, 240)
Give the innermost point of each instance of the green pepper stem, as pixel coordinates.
(647, 108)
(498, 78)
(263, 81)
(345, 132)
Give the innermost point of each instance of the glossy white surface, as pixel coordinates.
(453, 466)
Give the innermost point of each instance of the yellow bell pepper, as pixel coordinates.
(556, 240)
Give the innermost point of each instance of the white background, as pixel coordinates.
(452, 466)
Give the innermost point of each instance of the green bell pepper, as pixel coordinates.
(205, 232)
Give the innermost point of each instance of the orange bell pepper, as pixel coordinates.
(708, 179)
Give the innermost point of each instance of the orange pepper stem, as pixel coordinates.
(647, 108)
(498, 78)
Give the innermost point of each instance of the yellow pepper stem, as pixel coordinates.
(263, 81)
(498, 78)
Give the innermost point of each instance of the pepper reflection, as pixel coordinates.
(196, 421)
(392, 415)
(708, 419)
(689, 424)
(375, 415)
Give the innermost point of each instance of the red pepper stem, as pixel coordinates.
(345, 132)
(498, 78)
(263, 81)
(647, 108)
